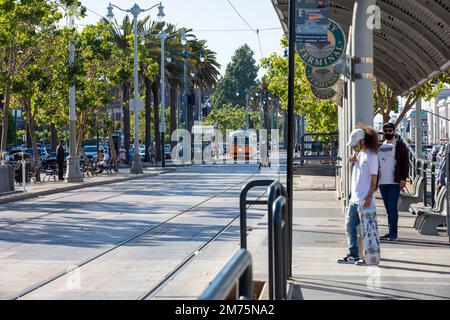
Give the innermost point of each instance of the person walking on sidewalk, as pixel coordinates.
(60, 159)
(394, 168)
(364, 141)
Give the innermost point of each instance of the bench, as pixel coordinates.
(429, 218)
(50, 172)
(415, 196)
(88, 168)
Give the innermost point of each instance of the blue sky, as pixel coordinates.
(202, 15)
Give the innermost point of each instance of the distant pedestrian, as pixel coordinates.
(364, 184)
(152, 153)
(394, 168)
(122, 158)
(60, 159)
(103, 161)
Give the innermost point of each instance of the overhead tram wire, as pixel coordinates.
(235, 30)
(256, 31)
(245, 21)
(95, 12)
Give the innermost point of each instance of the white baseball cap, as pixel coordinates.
(355, 136)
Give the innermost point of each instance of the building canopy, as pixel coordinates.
(412, 46)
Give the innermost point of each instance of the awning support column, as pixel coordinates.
(362, 61)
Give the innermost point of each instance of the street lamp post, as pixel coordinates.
(185, 95)
(163, 37)
(73, 172)
(136, 168)
(186, 56)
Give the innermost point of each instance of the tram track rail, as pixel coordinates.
(189, 258)
(78, 206)
(85, 262)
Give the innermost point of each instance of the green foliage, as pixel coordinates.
(230, 117)
(34, 65)
(387, 102)
(239, 76)
(321, 115)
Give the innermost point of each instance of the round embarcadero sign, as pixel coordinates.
(323, 55)
(323, 94)
(322, 77)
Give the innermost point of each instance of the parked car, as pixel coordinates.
(91, 151)
(141, 151)
(51, 160)
(10, 154)
(42, 153)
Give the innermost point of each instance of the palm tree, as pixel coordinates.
(122, 34)
(207, 71)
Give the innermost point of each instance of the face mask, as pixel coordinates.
(388, 136)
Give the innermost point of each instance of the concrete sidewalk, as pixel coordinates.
(51, 187)
(416, 267)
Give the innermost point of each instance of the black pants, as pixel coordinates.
(61, 171)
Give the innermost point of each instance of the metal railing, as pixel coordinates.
(276, 189)
(237, 273)
(243, 202)
(280, 231)
(429, 170)
(323, 147)
(239, 267)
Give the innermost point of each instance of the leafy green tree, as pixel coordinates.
(239, 76)
(206, 72)
(321, 115)
(386, 102)
(231, 117)
(122, 38)
(24, 24)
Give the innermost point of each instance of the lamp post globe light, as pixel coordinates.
(73, 172)
(136, 167)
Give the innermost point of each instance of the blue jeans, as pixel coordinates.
(391, 194)
(351, 225)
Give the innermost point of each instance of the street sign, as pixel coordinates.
(323, 94)
(311, 22)
(322, 77)
(324, 54)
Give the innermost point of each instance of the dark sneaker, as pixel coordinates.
(393, 239)
(360, 262)
(349, 259)
(385, 237)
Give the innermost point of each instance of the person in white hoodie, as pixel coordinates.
(364, 141)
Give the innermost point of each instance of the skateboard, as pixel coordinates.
(370, 237)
